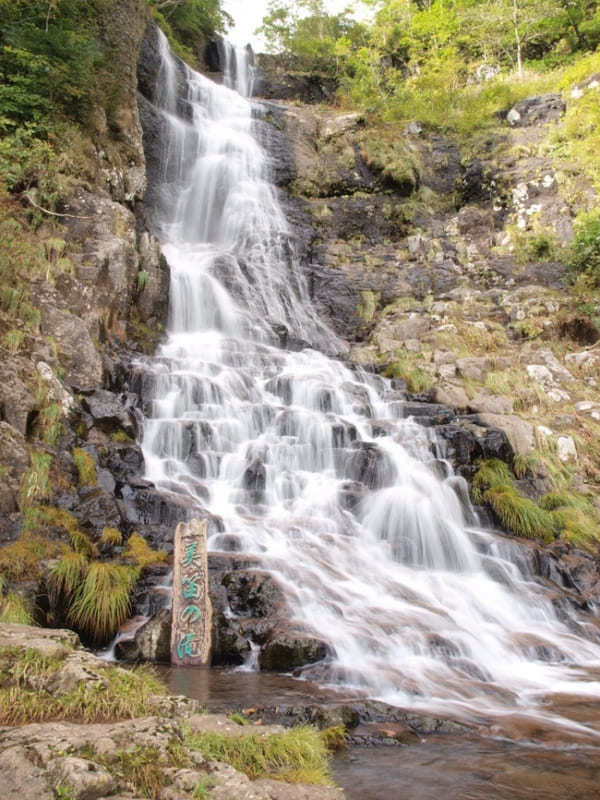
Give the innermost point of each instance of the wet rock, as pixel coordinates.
(429, 414)
(97, 509)
(366, 463)
(152, 641)
(286, 650)
(109, 413)
(253, 593)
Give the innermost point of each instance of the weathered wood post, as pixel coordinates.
(192, 609)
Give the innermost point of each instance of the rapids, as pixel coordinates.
(310, 464)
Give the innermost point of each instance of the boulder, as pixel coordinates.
(536, 110)
(109, 413)
(287, 649)
(14, 460)
(152, 640)
(520, 433)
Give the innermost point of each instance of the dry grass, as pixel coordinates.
(139, 550)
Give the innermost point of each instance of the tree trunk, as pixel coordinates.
(517, 38)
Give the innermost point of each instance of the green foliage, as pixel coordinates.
(142, 280)
(103, 600)
(86, 467)
(118, 694)
(298, 756)
(67, 575)
(585, 249)
(315, 40)
(189, 23)
(406, 368)
(49, 57)
(120, 437)
(493, 484)
(238, 718)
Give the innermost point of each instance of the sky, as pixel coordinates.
(248, 16)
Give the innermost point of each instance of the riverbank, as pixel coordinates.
(77, 728)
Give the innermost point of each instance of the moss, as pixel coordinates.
(494, 485)
(52, 428)
(406, 368)
(120, 437)
(368, 304)
(86, 467)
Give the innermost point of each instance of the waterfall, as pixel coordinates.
(310, 464)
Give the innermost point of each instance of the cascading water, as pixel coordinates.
(311, 466)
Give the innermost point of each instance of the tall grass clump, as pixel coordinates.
(494, 485)
(102, 602)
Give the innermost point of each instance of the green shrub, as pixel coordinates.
(585, 249)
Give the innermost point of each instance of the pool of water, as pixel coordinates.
(444, 767)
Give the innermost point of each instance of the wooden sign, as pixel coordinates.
(192, 609)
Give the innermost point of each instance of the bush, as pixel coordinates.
(585, 249)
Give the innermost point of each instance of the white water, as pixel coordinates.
(421, 608)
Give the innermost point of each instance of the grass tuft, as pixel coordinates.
(112, 537)
(86, 467)
(67, 575)
(103, 601)
(139, 550)
(13, 608)
(298, 756)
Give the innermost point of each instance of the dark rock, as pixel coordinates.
(287, 650)
(536, 110)
(152, 641)
(367, 464)
(253, 593)
(97, 509)
(109, 413)
(429, 414)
